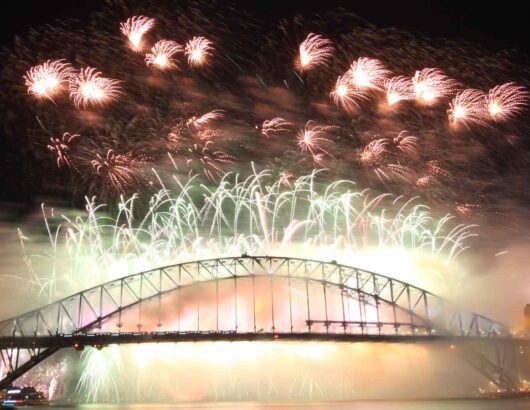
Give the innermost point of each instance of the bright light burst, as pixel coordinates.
(431, 85)
(406, 143)
(347, 94)
(134, 29)
(116, 170)
(468, 107)
(506, 100)
(161, 55)
(368, 73)
(198, 49)
(313, 138)
(398, 89)
(205, 120)
(275, 126)
(48, 79)
(202, 157)
(313, 51)
(88, 87)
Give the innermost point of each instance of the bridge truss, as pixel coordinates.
(256, 298)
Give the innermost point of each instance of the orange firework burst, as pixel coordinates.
(209, 161)
(314, 50)
(88, 87)
(347, 94)
(406, 143)
(274, 126)
(398, 89)
(161, 55)
(200, 123)
(431, 84)
(468, 107)
(61, 149)
(313, 138)
(373, 152)
(506, 100)
(47, 79)
(198, 49)
(368, 73)
(134, 29)
(115, 170)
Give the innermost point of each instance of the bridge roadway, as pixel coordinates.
(109, 338)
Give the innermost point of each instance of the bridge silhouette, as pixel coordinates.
(258, 298)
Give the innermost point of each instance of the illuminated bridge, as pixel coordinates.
(257, 298)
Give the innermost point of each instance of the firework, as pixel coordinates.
(161, 55)
(275, 126)
(314, 50)
(198, 49)
(116, 170)
(48, 79)
(347, 94)
(313, 138)
(134, 29)
(211, 162)
(431, 84)
(406, 143)
(374, 152)
(398, 89)
(368, 73)
(205, 120)
(88, 87)
(506, 100)
(285, 178)
(61, 149)
(468, 107)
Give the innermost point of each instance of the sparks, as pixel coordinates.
(200, 123)
(506, 100)
(61, 149)
(275, 126)
(468, 107)
(210, 162)
(48, 79)
(398, 89)
(314, 50)
(198, 49)
(88, 87)
(347, 94)
(161, 55)
(431, 85)
(134, 29)
(313, 138)
(406, 143)
(368, 73)
(116, 170)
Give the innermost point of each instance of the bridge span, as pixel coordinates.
(258, 298)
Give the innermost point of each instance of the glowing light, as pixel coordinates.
(368, 73)
(116, 169)
(506, 100)
(134, 29)
(468, 107)
(398, 89)
(211, 162)
(314, 50)
(347, 94)
(275, 126)
(61, 149)
(88, 87)
(313, 138)
(406, 143)
(205, 120)
(198, 49)
(47, 79)
(431, 84)
(161, 55)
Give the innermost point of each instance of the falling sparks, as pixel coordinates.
(88, 87)
(398, 89)
(116, 170)
(161, 55)
(373, 152)
(275, 126)
(205, 120)
(134, 29)
(198, 49)
(347, 94)
(211, 162)
(506, 100)
(314, 50)
(468, 107)
(60, 147)
(368, 73)
(431, 85)
(48, 79)
(313, 138)
(406, 143)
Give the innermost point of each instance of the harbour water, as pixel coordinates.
(456, 404)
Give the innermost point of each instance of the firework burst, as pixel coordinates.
(406, 143)
(313, 138)
(275, 126)
(88, 87)
(347, 94)
(60, 147)
(506, 100)
(368, 73)
(468, 107)
(48, 79)
(202, 157)
(398, 89)
(198, 49)
(431, 85)
(116, 170)
(161, 55)
(134, 29)
(315, 50)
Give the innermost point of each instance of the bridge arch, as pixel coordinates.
(326, 294)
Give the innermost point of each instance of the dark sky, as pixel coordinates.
(496, 25)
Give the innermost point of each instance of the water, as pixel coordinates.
(468, 404)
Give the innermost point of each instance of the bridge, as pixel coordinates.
(258, 298)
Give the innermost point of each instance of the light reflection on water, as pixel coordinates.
(469, 404)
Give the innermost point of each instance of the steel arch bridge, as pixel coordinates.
(256, 298)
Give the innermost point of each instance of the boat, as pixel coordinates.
(24, 396)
